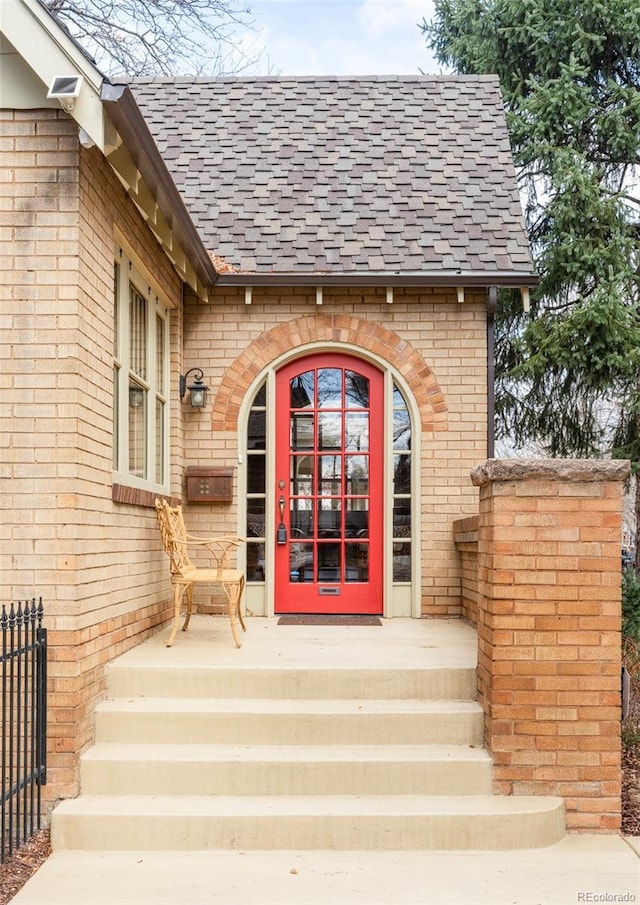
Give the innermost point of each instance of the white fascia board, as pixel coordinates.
(49, 52)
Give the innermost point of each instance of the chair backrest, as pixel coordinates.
(174, 537)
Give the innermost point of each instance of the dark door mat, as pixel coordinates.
(305, 619)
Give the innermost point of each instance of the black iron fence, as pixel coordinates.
(24, 722)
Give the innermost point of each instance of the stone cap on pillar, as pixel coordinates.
(568, 470)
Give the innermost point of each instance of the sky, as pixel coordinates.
(342, 37)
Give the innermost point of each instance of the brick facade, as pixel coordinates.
(97, 564)
(548, 621)
(435, 345)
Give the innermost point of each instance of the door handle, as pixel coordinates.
(282, 528)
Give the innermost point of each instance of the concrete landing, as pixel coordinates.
(397, 643)
(584, 868)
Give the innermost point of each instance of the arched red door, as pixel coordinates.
(329, 486)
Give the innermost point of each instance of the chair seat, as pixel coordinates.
(206, 576)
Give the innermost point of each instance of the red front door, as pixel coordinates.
(329, 455)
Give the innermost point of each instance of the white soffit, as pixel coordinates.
(49, 53)
(125, 169)
(20, 87)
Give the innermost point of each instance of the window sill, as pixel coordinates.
(135, 496)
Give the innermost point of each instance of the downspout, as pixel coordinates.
(492, 301)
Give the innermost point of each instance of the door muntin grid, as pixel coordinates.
(328, 410)
(329, 421)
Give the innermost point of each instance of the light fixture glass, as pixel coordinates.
(136, 396)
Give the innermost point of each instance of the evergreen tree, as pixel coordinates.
(568, 374)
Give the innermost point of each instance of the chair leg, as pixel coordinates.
(240, 616)
(189, 610)
(178, 592)
(233, 590)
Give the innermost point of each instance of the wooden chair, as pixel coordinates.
(184, 575)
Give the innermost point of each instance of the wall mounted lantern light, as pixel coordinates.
(197, 390)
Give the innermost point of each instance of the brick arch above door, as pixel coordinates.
(369, 336)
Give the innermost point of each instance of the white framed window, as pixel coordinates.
(140, 380)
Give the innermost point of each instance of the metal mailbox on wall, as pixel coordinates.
(209, 485)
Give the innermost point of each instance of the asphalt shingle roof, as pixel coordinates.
(375, 174)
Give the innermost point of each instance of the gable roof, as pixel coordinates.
(35, 47)
(393, 176)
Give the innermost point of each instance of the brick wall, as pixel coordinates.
(97, 564)
(465, 536)
(435, 344)
(549, 538)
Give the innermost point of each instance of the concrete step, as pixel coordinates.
(311, 740)
(400, 822)
(130, 679)
(289, 722)
(112, 769)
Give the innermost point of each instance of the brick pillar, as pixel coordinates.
(549, 554)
